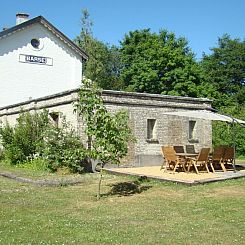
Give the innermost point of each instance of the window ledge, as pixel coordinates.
(193, 140)
(156, 141)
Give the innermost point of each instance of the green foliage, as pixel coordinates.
(21, 141)
(224, 134)
(62, 148)
(1, 154)
(108, 133)
(224, 76)
(36, 143)
(35, 164)
(104, 62)
(158, 63)
(225, 69)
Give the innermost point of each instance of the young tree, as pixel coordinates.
(109, 134)
(158, 63)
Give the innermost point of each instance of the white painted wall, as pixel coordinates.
(20, 81)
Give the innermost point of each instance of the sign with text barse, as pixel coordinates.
(33, 59)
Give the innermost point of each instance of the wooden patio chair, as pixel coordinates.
(190, 149)
(228, 157)
(171, 161)
(179, 149)
(201, 160)
(217, 158)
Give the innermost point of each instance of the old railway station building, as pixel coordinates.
(41, 68)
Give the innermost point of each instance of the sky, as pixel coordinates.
(201, 22)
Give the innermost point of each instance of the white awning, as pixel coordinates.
(204, 114)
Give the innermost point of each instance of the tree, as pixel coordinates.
(158, 63)
(224, 72)
(109, 133)
(104, 62)
(225, 68)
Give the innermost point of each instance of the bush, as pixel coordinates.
(1, 154)
(224, 134)
(61, 147)
(37, 144)
(21, 142)
(35, 164)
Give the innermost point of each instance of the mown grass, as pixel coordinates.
(130, 211)
(24, 172)
(240, 161)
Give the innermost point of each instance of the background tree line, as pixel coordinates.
(162, 63)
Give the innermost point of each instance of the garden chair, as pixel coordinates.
(190, 149)
(201, 160)
(217, 158)
(171, 161)
(228, 157)
(179, 149)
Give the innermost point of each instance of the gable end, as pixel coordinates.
(50, 27)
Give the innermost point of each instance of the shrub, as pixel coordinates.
(35, 164)
(61, 147)
(21, 141)
(1, 154)
(35, 143)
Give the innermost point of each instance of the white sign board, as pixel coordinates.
(32, 59)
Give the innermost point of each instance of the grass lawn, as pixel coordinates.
(240, 161)
(129, 212)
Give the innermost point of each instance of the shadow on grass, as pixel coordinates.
(128, 188)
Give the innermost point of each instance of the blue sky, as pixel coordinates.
(201, 22)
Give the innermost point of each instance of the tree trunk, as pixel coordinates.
(99, 186)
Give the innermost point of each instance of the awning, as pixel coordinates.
(204, 114)
(208, 115)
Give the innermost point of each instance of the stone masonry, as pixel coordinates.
(142, 108)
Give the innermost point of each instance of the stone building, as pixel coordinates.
(37, 76)
(146, 117)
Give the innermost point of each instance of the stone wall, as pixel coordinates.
(168, 130)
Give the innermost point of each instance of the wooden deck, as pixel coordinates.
(154, 172)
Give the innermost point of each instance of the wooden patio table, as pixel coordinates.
(187, 156)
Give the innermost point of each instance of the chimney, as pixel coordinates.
(21, 17)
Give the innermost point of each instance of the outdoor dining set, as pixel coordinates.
(185, 158)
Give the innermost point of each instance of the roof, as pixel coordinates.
(50, 27)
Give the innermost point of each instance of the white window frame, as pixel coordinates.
(192, 129)
(151, 129)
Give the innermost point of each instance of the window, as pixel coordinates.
(35, 43)
(192, 129)
(55, 118)
(151, 129)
